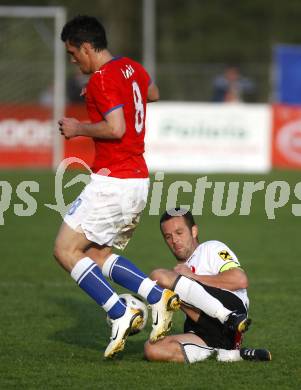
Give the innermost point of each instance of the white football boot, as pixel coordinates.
(162, 313)
(131, 320)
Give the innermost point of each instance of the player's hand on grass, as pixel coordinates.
(69, 127)
(184, 270)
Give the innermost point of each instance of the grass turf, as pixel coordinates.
(53, 336)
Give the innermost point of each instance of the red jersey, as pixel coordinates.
(120, 82)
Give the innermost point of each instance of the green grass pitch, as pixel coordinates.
(52, 336)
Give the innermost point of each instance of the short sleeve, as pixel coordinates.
(106, 93)
(220, 257)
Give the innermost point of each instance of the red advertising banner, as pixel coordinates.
(26, 136)
(286, 142)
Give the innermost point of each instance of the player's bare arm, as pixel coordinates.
(113, 127)
(153, 93)
(232, 279)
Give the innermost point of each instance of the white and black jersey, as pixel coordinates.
(213, 257)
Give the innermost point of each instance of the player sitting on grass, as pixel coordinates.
(209, 280)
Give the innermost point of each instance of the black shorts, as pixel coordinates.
(211, 330)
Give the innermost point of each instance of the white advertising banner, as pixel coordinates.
(204, 137)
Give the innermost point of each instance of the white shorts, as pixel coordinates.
(108, 209)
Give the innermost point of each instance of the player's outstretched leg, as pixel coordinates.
(195, 293)
(121, 328)
(163, 301)
(250, 354)
(89, 277)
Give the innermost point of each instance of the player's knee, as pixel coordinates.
(164, 277)
(166, 350)
(150, 352)
(63, 254)
(156, 274)
(58, 252)
(161, 276)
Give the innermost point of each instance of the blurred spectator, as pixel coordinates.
(231, 86)
(46, 97)
(75, 90)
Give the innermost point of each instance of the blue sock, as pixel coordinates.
(89, 277)
(125, 273)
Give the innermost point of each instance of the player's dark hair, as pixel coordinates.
(83, 29)
(178, 212)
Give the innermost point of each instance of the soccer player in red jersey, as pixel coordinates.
(107, 211)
